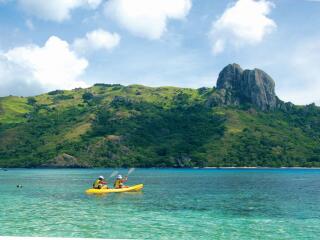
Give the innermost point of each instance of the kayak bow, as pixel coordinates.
(134, 188)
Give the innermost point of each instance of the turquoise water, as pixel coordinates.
(175, 204)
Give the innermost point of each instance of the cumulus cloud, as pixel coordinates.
(15, 79)
(245, 22)
(53, 66)
(96, 40)
(146, 18)
(56, 10)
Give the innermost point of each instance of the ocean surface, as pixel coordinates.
(175, 204)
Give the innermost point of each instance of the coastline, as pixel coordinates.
(57, 168)
(260, 168)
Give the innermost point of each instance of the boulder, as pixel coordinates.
(230, 77)
(237, 86)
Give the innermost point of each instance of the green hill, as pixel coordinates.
(121, 126)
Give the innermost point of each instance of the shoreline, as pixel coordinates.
(57, 168)
(259, 168)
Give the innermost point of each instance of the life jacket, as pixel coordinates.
(96, 183)
(118, 183)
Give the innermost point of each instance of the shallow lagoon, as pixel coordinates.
(175, 204)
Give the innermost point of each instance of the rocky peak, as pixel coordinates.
(229, 77)
(237, 86)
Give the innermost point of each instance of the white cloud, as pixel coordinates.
(53, 66)
(245, 22)
(55, 10)
(96, 40)
(15, 79)
(146, 18)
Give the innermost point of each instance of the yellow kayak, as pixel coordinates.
(134, 188)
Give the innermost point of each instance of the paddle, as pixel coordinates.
(113, 174)
(131, 170)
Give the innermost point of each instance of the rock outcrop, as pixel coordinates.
(237, 86)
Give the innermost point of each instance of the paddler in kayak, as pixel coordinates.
(119, 183)
(99, 183)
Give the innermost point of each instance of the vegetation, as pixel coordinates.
(116, 126)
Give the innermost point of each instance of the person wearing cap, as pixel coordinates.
(100, 183)
(119, 183)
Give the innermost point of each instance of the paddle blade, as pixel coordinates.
(113, 174)
(131, 170)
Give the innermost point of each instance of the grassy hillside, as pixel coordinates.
(113, 126)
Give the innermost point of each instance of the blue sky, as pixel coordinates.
(63, 44)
